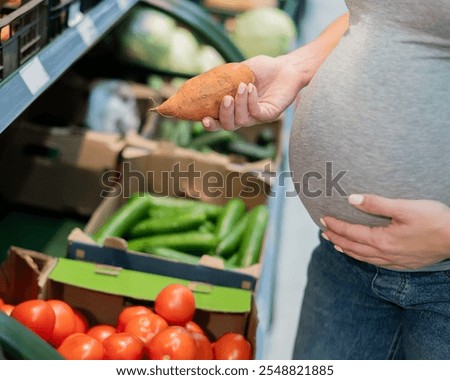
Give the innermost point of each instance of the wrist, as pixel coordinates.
(306, 60)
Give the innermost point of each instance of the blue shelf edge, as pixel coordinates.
(22, 87)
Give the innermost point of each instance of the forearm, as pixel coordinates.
(309, 57)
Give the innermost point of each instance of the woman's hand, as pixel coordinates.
(277, 83)
(418, 235)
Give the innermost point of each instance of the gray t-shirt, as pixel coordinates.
(376, 116)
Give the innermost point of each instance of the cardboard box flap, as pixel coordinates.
(99, 151)
(146, 286)
(147, 263)
(24, 264)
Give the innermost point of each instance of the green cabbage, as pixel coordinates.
(147, 37)
(268, 31)
(154, 39)
(182, 56)
(208, 57)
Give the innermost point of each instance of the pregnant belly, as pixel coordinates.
(351, 135)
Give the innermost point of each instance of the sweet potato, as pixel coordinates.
(201, 96)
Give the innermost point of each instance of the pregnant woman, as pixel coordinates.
(370, 147)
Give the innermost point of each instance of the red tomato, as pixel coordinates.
(130, 312)
(204, 348)
(101, 332)
(232, 346)
(176, 304)
(80, 346)
(6, 308)
(146, 326)
(123, 346)
(64, 322)
(173, 343)
(81, 322)
(193, 327)
(37, 315)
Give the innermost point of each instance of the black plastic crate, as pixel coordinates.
(88, 4)
(66, 13)
(24, 33)
(59, 14)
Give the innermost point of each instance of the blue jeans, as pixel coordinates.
(354, 310)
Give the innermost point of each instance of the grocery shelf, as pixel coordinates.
(21, 88)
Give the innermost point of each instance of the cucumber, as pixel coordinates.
(212, 211)
(19, 342)
(252, 151)
(212, 138)
(156, 82)
(206, 149)
(164, 225)
(250, 248)
(166, 129)
(266, 136)
(208, 226)
(172, 254)
(125, 218)
(232, 212)
(192, 242)
(168, 212)
(230, 243)
(182, 257)
(232, 262)
(184, 136)
(197, 129)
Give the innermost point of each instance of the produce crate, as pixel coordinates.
(61, 14)
(86, 5)
(101, 292)
(34, 157)
(237, 160)
(50, 142)
(23, 34)
(66, 13)
(150, 171)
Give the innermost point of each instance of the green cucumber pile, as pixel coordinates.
(192, 135)
(184, 229)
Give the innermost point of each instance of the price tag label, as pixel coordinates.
(123, 4)
(34, 75)
(87, 30)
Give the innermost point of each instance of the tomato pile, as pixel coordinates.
(165, 333)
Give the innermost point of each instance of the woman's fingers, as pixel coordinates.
(226, 113)
(236, 112)
(254, 107)
(210, 124)
(241, 114)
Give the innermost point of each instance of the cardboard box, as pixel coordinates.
(58, 169)
(101, 292)
(145, 171)
(151, 131)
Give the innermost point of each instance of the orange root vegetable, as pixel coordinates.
(201, 96)
(5, 34)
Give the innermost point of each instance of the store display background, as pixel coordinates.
(299, 234)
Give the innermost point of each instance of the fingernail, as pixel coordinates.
(356, 199)
(241, 88)
(322, 222)
(339, 249)
(325, 236)
(206, 123)
(227, 101)
(250, 88)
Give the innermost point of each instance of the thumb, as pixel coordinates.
(374, 204)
